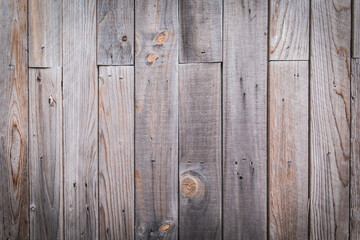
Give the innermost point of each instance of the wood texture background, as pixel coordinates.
(180, 119)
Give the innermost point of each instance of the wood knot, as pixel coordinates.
(151, 58)
(189, 185)
(161, 38)
(124, 38)
(52, 101)
(165, 227)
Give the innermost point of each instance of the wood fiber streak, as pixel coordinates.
(116, 152)
(356, 29)
(14, 185)
(156, 119)
(330, 119)
(80, 125)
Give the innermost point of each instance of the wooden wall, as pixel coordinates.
(179, 119)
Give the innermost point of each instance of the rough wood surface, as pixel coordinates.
(80, 125)
(288, 150)
(289, 29)
(200, 37)
(330, 119)
(14, 190)
(356, 29)
(116, 152)
(115, 32)
(244, 119)
(45, 33)
(200, 150)
(156, 119)
(45, 148)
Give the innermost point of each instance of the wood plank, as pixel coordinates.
(115, 19)
(116, 152)
(200, 150)
(288, 149)
(355, 151)
(356, 29)
(14, 185)
(45, 148)
(245, 119)
(80, 125)
(330, 119)
(156, 119)
(45, 33)
(289, 29)
(201, 31)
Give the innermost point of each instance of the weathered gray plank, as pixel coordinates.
(45, 148)
(288, 150)
(156, 118)
(115, 33)
(356, 29)
(330, 118)
(289, 29)
(200, 150)
(116, 152)
(80, 125)
(45, 33)
(14, 190)
(244, 119)
(201, 31)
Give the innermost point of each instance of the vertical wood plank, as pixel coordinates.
(289, 29)
(201, 31)
(14, 190)
(356, 29)
(288, 150)
(200, 150)
(244, 119)
(116, 152)
(355, 151)
(45, 33)
(45, 148)
(156, 119)
(330, 118)
(80, 125)
(115, 19)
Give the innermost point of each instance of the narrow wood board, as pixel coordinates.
(330, 119)
(288, 149)
(115, 32)
(356, 29)
(156, 119)
(45, 158)
(45, 33)
(201, 31)
(14, 185)
(80, 125)
(289, 29)
(116, 152)
(200, 150)
(245, 119)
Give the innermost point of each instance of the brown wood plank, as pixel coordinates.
(14, 185)
(244, 119)
(288, 149)
(80, 125)
(356, 29)
(156, 119)
(200, 150)
(45, 33)
(201, 31)
(45, 153)
(116, 152)
(289, 29)
(115, 33)
(330, 118)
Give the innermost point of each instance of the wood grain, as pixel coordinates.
(201, 31)
(356, 29)
(156, 119)
(80, 125)
(288, 149)
(115, 32)
(45, 158)
(45, 33)
(14, 185)
(116, 152)
(289, 29)
(200, 150)
(244, 119)
(330, 119)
